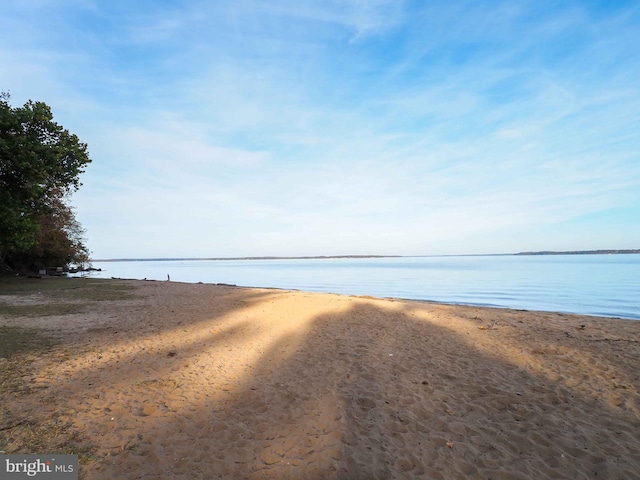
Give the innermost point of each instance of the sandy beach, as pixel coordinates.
(196, 381)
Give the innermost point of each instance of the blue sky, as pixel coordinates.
(340, 127)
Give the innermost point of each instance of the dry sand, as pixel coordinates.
(202, 381)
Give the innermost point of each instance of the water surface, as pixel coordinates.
(606, 285)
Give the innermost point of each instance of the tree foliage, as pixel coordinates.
(40, 165)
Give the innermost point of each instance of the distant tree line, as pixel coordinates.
(40, 165)
(581, 252)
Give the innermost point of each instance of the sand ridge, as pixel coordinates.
(196, 381)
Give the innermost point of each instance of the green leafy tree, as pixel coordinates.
(40, 165)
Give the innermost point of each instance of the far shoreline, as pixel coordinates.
(329, 257)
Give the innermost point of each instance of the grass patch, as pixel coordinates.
(97, 291)
(58, 296)
(31, 286)
(18, 346)
(68, 288)
(40, 309)
(17, 340)
(11, 376)
(52, 435)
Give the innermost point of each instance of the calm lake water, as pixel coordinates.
(605, 285)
